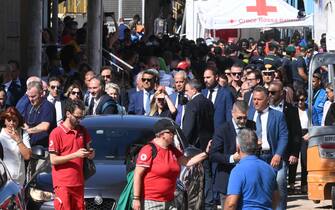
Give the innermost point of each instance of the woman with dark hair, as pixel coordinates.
(301, 96)
(15, 143)
(74, 92)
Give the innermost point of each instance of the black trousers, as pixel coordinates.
(292, 172)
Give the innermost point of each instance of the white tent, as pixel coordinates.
(237, 14)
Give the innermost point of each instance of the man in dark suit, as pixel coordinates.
(272, 134)
(139, 102)
(16, 87)
(178, 97)
(223, 151)
(101, 103)
(277, 102)
(198, 127)
(221, 97)
(54, 97)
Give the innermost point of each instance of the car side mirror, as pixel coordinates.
(38, 152)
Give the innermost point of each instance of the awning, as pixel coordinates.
(232, 14)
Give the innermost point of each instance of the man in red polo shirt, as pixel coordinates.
(67, 147)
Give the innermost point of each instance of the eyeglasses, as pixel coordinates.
(54, 87)
(75, 93)
(268, 73)
(236, 73)
(242, 117)
(146, 79)
(78, 117)
(106, 76)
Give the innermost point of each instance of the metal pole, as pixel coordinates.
(31, 36)
(55, 20)
(94, 34)
(182, 24)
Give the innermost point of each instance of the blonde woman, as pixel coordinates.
(162, 106)
(113, 90)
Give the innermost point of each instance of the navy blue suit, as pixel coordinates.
(136, 103)
(277, 133)
(222, 106)
(223, 146)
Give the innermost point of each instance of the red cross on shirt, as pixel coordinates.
(261, 8)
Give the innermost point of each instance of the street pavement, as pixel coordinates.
(298, 201)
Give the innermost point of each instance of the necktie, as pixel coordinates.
(91, 106)
(259, 126)
(147, 105)
(210, 94)
(179, 109)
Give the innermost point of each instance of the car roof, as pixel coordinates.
(131, 121)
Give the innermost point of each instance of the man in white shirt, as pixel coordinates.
(55, 90)
(330, 96)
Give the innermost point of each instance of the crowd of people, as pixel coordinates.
(212, 90)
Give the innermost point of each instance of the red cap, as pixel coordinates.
(183, 65)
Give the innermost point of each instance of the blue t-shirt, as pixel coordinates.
(45, 112)
(255, 181)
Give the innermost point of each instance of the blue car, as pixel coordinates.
(112, 135)
(11, 194)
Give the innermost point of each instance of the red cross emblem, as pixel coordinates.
(261, 8)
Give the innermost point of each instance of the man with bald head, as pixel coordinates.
(24, 100)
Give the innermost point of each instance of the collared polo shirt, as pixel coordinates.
(45, 112)
(64, 141)
(254, 181)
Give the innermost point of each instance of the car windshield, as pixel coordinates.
(112, 143)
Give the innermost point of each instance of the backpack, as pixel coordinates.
(126, 197)
(132, 154)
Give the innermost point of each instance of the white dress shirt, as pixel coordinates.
(264, 119)
(325, 110)
(237, 129)
(214, 94)
(12, 156)
(58, 107)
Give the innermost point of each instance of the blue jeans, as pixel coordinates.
(282, 186)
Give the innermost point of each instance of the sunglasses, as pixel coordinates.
(160, 99)
(54, 87)
(273, 92)
(75, 93)
(146, 79)
(268, 73)
(237, 74)
(106, 76)
(302, 99)
(241, 117)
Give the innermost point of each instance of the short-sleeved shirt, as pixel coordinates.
(63, 141)
(296, 63)
(45, 112)
(162, 172)
(255, 181)
(12, 156)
